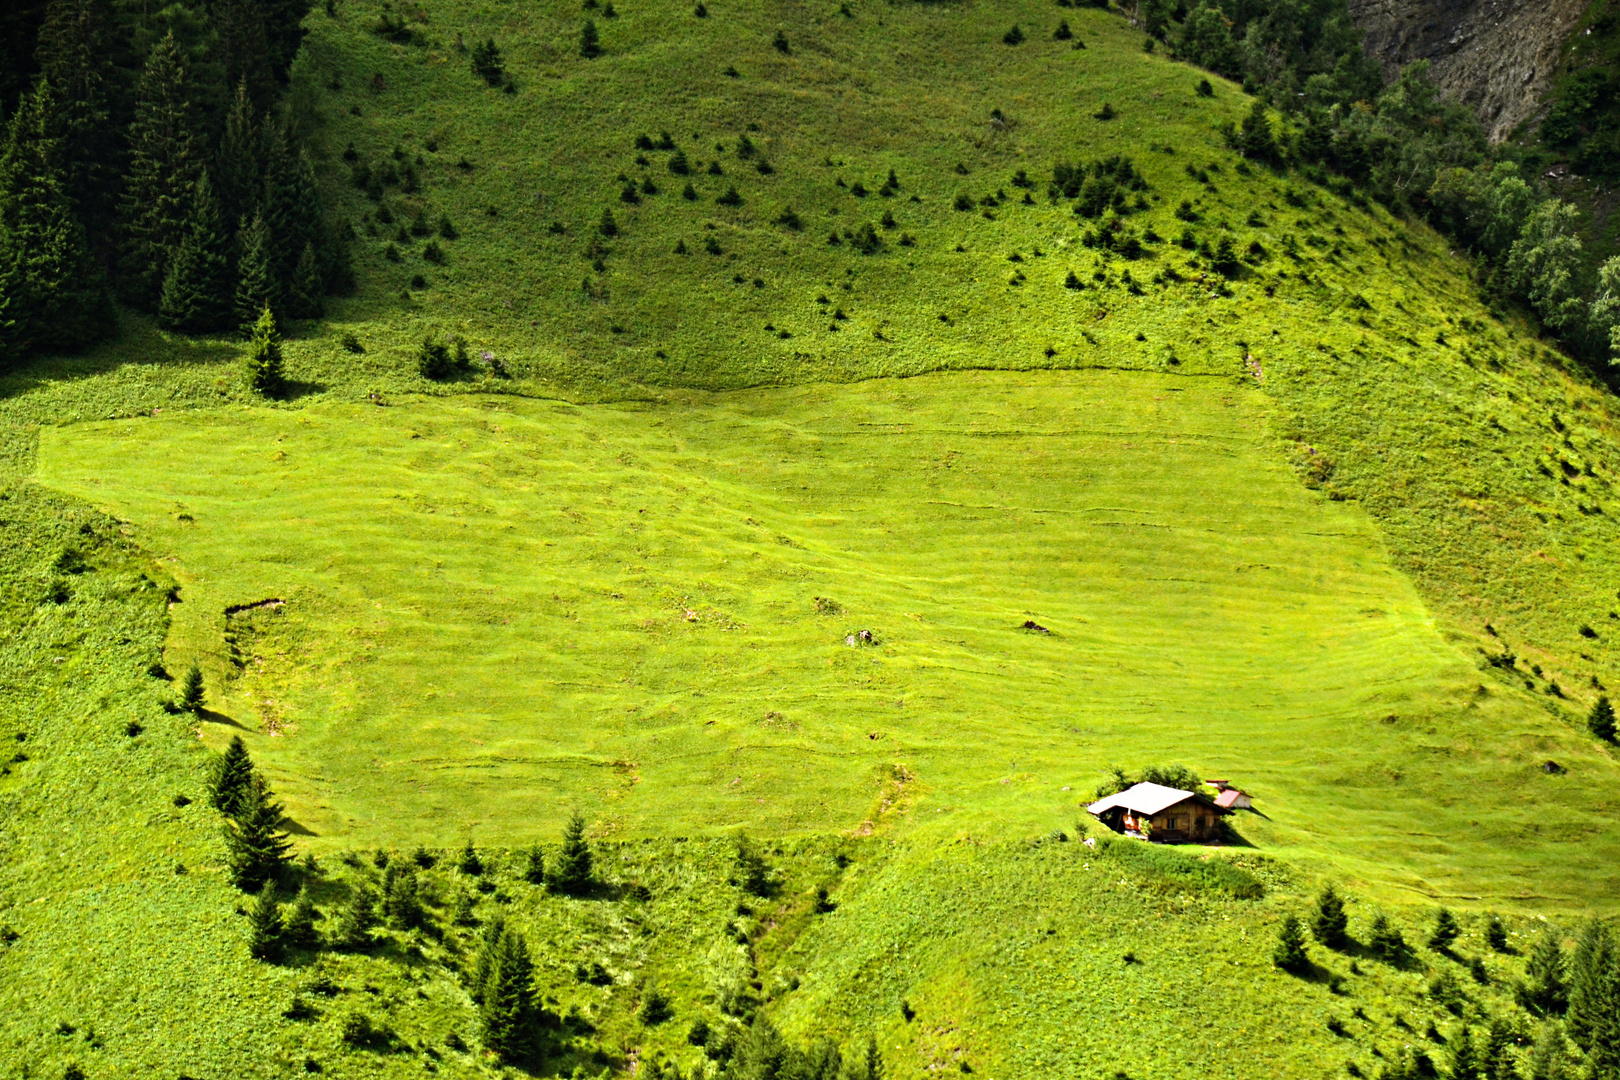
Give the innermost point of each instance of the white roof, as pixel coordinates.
(1143, 798)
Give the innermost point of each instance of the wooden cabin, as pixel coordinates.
(1162, 814)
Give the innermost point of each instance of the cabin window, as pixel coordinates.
(1181, 824)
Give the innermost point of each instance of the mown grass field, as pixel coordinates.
(492, 610)
(1275, 522)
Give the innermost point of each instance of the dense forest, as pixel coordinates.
(148, 160)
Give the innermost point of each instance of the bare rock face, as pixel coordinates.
(1495, 55)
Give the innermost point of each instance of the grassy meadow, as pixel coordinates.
(1283, 524)
(490, 610)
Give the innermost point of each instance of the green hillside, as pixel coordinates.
(1284, 499)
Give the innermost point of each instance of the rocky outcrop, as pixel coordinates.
(1496, 55)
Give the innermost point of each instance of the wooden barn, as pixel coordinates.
(1169, 814)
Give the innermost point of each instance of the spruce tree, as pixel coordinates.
(54, 295)
(191, 691)
(284, 33)
(590, 42)
(872, 1063)
(1329, 923)
(1544, 990)
(1290, 953)
(507, 1008)
(752, 872)
(255, 280)
(164, 164)
(244, 51)
(74, 57)
(298, 921)
(1592, 964)
(233, 776)
(572, 873)
(534, 870)
(484, 962)
(289, 204)
(359, 915)
(197, 290)
(1464, 1059)
(257, 847)
(304, 295)
(401, 904)
(469, 863)
(264, 925)
(1547, 1059)
(1386, 941)
(1601, 720)
(240, 161)
(264, 356)
(1445, 931)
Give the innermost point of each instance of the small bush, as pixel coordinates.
(434, 254)
(433, 360)
(655, 1008)
(590, 41)
(712, 246)
(790, 218)
(964, 202)
(730, 198)
(608, 226)
(1062, 33)
(678, 164)
(780, 44)
(1205, 89)
(1015, 36)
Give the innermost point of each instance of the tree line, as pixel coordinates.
(1402, 144)
(149, 157)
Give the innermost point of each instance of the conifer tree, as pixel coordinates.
(197, 290)
(484, 963)
(1547, 1059)
(191, 691)
(243, 51)
(1601, 720)
(752, 872)
(233, 776)
(572, 873)
(289, 204)
(240, 161)
(54, 295)
(1290, 953)
(256, 289)
(264, 925)
(1386, 941)
(534, 870)
(304, 296)
(469, 863)
(590, 42)
(359, 915)
(1464, 1059)
(284, 33)
(401, 903)
(872, 1063)
(1329, 924)
(257, 847)
(507, 1008)
(1544, 990)
(74, 56)
(298, 921)
(1445, 931)
(164, 164)
(264, 356)
(1591, 966)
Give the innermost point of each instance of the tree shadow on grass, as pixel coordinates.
(292, 390)
(139, 344)
(209, 716)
